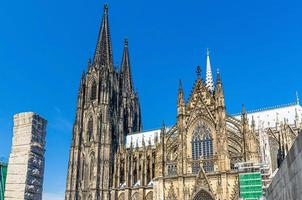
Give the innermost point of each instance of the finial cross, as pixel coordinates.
(198, 71)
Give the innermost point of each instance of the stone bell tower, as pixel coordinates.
(107, 110)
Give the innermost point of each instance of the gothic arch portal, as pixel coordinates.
(203, 195)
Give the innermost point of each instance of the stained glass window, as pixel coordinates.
(202, 148)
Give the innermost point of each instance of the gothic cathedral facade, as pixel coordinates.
(192, 160)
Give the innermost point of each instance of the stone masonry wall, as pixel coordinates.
(287, 183)
(26, 162)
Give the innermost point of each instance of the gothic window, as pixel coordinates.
(90, 129)
(202, 143)
(91, 170)
(134, 172)
(153, 167)
(208, 166)
(207, 143)
(93, 91)
(196, 147)
(148, 170)
(172, 169)
(195, 167)
(122, 173)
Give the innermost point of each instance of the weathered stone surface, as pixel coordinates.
(26, 162)
(288, 181)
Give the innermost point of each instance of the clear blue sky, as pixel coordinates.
(45, 45)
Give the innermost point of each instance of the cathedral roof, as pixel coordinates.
(268, 117)
(148, 136)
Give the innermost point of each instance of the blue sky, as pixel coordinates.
(45, 45)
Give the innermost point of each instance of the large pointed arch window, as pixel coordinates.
(202, 143)
(93, 91)
(90, 129)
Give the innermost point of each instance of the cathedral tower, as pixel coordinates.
(107, 110)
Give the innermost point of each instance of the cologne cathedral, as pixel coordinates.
(112, 158)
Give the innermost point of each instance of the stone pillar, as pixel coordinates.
(26, 161)
(150, 166)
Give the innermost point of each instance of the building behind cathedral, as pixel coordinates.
(112, 158)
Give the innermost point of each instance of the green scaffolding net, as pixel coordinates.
(250, 186)
(3, 171)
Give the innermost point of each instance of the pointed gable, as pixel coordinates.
(202, 182)
(201, 98)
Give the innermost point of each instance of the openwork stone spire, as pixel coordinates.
(209, 77)
(103, 52)
(125, 68)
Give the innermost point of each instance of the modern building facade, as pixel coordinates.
(26, 161)
(111, 158)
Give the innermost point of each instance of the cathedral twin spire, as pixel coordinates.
(103, 52)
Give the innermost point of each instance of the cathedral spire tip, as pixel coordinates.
(103, 51)
(180, 85)
(126, 69)
(126, 42)
(209, 76)
(105, 8)
(208, 52)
